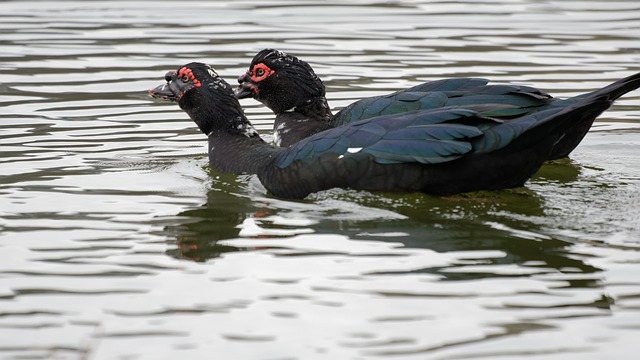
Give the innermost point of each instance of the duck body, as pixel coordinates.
(506, 101)
(439, 151)
(291, 89)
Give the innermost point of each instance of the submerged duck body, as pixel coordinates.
(296, 95)
(441, 151)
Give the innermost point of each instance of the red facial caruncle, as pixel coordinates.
(260, 72)
(186, 74)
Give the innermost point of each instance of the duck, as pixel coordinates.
(296, 95)
(443, 151)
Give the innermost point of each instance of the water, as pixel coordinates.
(118, 242)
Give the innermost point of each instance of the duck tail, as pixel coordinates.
(616, 89)
(565, 123)
(604, 97)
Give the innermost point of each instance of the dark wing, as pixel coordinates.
(379, 105)
(457, 84)
(388, 105)
(427, 137)
(509, 100)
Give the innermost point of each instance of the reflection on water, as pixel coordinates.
(117, 241)
(480, 221)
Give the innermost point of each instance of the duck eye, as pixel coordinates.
(259, 71)
(185, 78)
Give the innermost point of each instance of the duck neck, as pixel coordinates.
(239, 153)
(313, 109)
(234, 144)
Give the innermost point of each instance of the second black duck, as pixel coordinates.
(296, 95)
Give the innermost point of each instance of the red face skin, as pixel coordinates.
(260, 72)
(186, 74)
(178, 83)
(256, 74)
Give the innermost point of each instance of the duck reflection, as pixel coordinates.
(199, 230)
(510, 221)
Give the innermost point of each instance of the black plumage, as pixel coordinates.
(292, 90)
(441, 151)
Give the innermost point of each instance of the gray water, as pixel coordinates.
(117, 241)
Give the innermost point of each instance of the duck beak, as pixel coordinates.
(163, 91)
(170, 90)
(246, 89)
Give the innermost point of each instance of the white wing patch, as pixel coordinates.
(354, 150)
(212, 72)
(276, 134)
(247, 129)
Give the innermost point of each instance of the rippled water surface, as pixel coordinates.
(118, 242)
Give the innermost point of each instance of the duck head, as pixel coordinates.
(205, 97)
(280, 81)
